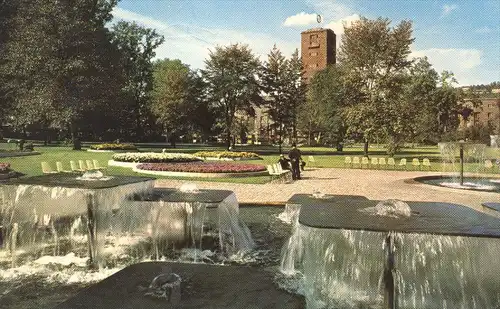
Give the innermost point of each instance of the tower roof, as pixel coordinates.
(316, 30)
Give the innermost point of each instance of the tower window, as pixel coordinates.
(313, 40)
(313, 54)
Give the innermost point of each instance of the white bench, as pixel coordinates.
(278, 174)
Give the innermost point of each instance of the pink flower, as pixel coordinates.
(202, 167)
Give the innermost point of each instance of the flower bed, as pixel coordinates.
(227, 155)
(113, 147)
(4, 168)
(154, 157)
(202, 167)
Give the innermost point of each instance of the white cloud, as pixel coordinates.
(448, 8)
(191, 43)
(338, 26)
(300, 19)
(462, 62)
(484, 30)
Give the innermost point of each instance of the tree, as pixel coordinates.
(275, 79)
(232, 85)
(59, 61)
(178, 98)
(420, 94)
(7, 13)
(297, 89)
(326, 98)
(375, 57)
(137, 46)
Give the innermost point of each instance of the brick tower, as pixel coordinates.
(317, 50)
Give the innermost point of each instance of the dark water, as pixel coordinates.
(25, 290)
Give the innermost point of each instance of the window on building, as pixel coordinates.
(313, 54)
(313, 40)
(313, 65)
(489, 116)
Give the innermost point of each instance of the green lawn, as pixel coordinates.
(30, 165)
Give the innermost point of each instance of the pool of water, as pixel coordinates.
(470, 183)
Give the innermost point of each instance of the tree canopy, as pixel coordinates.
(231, 76)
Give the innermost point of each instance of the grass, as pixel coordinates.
(30, 165)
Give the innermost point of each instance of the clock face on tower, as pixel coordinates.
(319, 18)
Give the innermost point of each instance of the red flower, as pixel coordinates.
(4, 167)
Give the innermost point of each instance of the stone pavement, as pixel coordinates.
(373, 184)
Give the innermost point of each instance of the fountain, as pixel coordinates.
(464, 157)
(357, 253)
(184, 217)
(63, 206)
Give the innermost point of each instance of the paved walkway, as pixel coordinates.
(373, 184)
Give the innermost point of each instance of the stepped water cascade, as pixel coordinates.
(64, 212)
(366, 254)
(173, 218)
(104, 219)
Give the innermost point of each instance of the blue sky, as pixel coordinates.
(460, 36)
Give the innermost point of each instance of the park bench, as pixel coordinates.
(279, 175)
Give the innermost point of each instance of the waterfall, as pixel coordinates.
(345, 269)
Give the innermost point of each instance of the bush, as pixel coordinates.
(29, 147)
(154, 157)
(202, 167)
(113, 147)
(227, 154)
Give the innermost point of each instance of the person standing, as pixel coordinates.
(295, 158)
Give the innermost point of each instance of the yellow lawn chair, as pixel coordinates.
(415, 163)
(60, 168)
(75, 167)
(382, 163)
(402, 163)
(355, 161)
(348, 162)
(47, 169)
(364, 161)
(426, 163)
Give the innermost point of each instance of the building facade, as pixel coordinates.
(488, 113)
(317, 50)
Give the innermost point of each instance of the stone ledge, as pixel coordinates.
(202, 286)
(200, 175)
(18, 154)
(123, 164)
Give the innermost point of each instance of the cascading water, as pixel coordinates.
(340, 268)
(438, 271)
(356, 268)
(35, 217)
(173, 224)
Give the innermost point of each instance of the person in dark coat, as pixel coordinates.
(284, 162)
(295, 159)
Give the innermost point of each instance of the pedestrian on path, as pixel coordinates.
(295, 158)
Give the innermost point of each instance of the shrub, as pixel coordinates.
(202, 167)
(227, 154)
(113, 147)
(154, 157)
(29, 147)
(4, 168)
